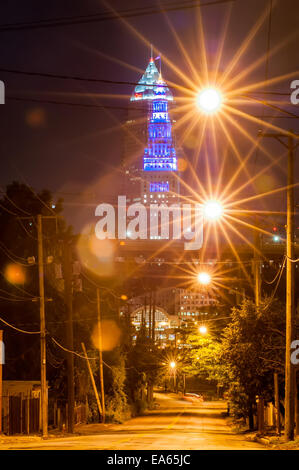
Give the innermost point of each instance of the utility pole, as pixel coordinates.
(68, 300)
(154, 317)
(143, 317)
(277, 406)
(101, 356)
(257, 297)
(296, 413)
(1, 362)
(257, 268)
(290, 299)
(44, 391)
(289, 430)
(92, 380)
(150, 314)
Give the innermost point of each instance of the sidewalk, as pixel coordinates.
(274, 442)
(80, 430)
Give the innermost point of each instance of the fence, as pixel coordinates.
(21, 415)
(60, 414)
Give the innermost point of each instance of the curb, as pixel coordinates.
(261, 440)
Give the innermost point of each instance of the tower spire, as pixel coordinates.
(145, 88)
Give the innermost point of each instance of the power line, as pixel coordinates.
(7, 299)
(293, 260)
(113, 82)
(107, 289)
(14, 204)
(8, 210)
(276, 286)
(77, 354)
(66, 103)
(274, 107)
(121, 108)
(109, 15)
(12, 256)
(75, 77)
(278, 93)
(18, 329)
(72, 352)
(53, 339)
(277, 274)
(24, 228)
(17, 297)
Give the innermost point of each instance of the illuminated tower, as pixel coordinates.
(155, 175)
(160, 173)
(135, 132)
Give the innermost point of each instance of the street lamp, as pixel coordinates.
(212, 210)
(203, 329)
(209, 100)
(204, 278)
(172, 365)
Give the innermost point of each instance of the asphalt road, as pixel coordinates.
(175, 424)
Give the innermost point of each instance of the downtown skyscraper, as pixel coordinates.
(153, 176)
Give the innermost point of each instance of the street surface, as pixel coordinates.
(174, 425)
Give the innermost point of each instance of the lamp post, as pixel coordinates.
(173, 368)
(209, 101)
(290, 297)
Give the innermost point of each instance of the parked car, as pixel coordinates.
(193, 397)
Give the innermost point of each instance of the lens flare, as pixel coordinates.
(212, 210)
(110, 335)
(15, 274)
(97, 255)
(203, 329)
(209, 100)
(204, 278)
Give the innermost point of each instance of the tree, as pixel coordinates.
(115, 376)
(19, 207)
(143, 365)
(252, 349)
(204, 357)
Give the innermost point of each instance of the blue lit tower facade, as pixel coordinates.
(159, 181)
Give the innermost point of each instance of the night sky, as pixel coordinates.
(76, 151)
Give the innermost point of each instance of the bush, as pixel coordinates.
(117, 409)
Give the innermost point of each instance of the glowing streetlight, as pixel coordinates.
(209, 100)
(172, 365)
(204, 278)
(203, 329)
(212, 210)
